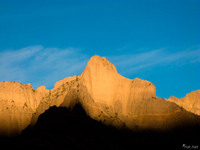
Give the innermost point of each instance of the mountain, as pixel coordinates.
(105, 96)
(191, 102)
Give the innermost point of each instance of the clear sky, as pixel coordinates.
(43, 41)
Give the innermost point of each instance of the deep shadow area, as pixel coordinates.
(60, 128)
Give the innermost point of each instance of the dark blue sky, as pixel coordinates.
(157, 40)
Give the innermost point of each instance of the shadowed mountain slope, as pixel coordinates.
(59, 127)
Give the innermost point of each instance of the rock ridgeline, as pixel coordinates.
(105, 95)
(191, 102)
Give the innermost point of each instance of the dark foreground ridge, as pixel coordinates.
(60, 128)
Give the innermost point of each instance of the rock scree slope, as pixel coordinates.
(105, 95)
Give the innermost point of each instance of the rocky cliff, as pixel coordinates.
(17, 104)
(105, 95)
(123, 102)
(191, 102)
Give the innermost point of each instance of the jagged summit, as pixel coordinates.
(105, 95)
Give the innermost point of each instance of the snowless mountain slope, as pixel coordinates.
(105, 96)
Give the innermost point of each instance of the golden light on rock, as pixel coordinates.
(105, 95)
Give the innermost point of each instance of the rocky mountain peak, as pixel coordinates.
(97, 63)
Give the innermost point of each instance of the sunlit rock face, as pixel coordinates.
(124, 102)
(116, 96)
(105, 96)
(191, 102)
(106, 86)
(17, 103)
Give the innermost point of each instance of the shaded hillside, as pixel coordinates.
(59, 128)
